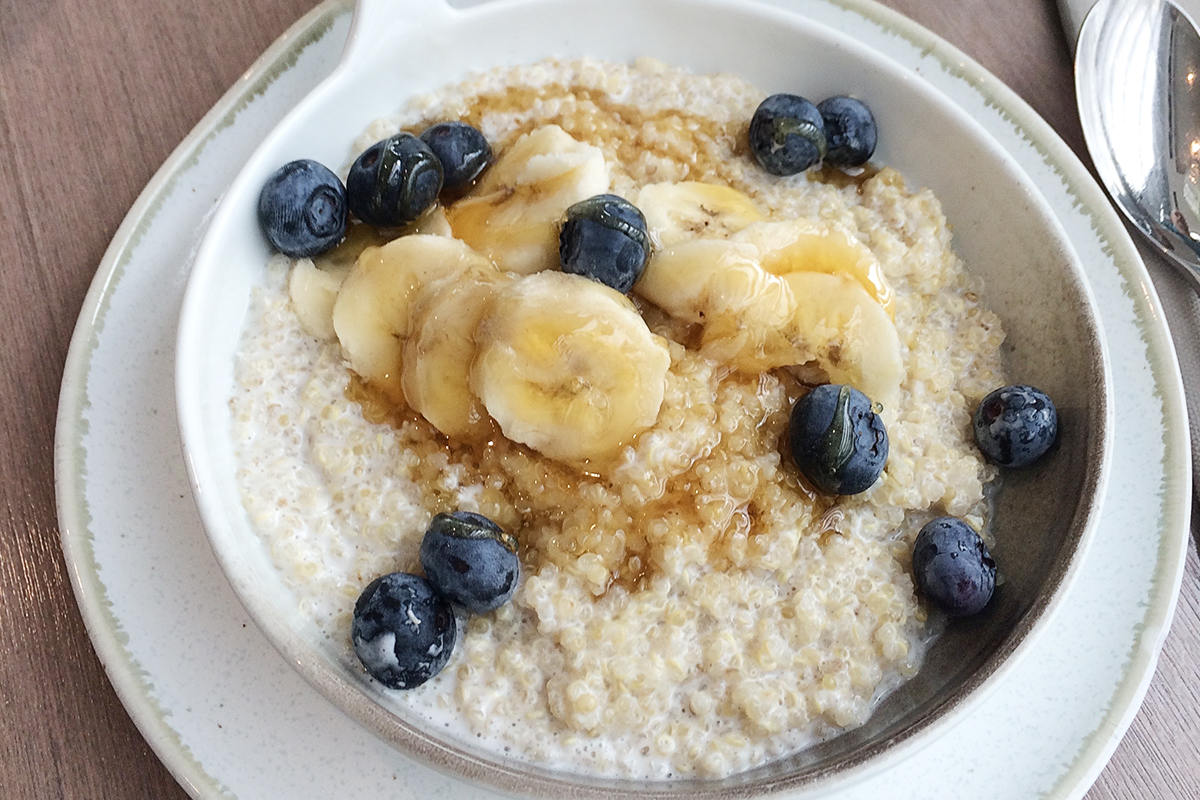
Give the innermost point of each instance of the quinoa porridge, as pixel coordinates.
(689, 607)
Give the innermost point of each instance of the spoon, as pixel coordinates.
(1137, 81)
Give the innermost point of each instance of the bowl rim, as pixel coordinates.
(369, 29)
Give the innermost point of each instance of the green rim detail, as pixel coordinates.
(75, 518)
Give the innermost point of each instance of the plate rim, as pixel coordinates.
(1152, 631)
(106, 633)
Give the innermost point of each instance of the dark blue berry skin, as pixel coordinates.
(463, 151)
(604, 238)
(1015, 425)
(787, 135)
(403, 631)
(302, 209)
(850, 131)
(953, 568)
(837, 440)
(471, 561)
(394, 182)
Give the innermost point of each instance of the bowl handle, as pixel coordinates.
(375, 21)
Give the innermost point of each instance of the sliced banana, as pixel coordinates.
(436, 371)
(371, 314)
(755, 321)
(514, 212)
(359, 236)
(718, 283)
(313, 284)
(816, 245)
(853, 340)
(435, 223)
(676, 212)
(313, 292)
(703, 279)
(568, 367)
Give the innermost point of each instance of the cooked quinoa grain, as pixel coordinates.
(697, 610)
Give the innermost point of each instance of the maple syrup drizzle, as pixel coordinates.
(702, 147)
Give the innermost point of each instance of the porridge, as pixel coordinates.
(688, 604)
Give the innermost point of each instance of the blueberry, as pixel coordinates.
(394, 182)
(953, 568)
(470, 560)
(1015, 425)
(837, 440)
(403, 631)
(850, 131)
(463, 151)
(787, 134)
(302, 209)
(604, 238)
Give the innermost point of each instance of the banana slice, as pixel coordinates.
(707, 278)
(852, 339)
(514, 213)
(313, 284)
(816, 245)
(744, 309)
(676, 212)
(359, 236)
(756, 321)
(436, 371)
(435, 223)
(313, 292)
(568, 367)
(371, 314)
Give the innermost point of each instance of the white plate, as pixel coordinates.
(231, 719)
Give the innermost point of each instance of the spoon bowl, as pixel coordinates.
(1137, 80)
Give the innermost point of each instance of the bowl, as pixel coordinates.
(1044, 517)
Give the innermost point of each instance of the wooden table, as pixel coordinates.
(93, 97)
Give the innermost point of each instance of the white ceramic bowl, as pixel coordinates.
(1003, 230)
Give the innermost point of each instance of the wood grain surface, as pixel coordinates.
(93, 97)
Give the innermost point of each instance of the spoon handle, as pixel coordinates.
(1072, 13)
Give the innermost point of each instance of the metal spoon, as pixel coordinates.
(1137, 83)
(1137, 80)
